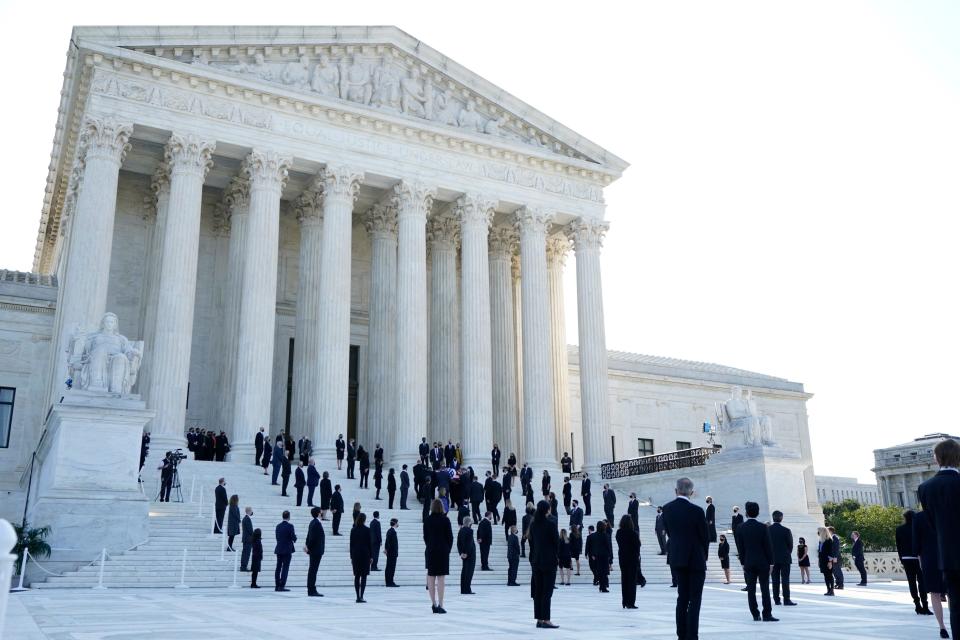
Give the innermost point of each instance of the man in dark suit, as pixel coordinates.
(246, 538)
(858, 559)
(781, 539)
(351, 459)
(609, 502)
(576, 515)
(686, 525)
(284, 475)
(658, 530)
(585, 493)
(313, 479)
(378, 459)
(404, 487)
(476, 498)
(633, 510)
(494, 495)
(299, 482)
(468, 554)
(436, 456)
(286, 536)
(424, 450)
(314, 548)
(838, 561)
(567, 494)
(376, 540)
(911, 563)
(485, 539)
(757, 558)
(220, 497)
(277, 459)
(449, 453)
(391, 547)
(258, 446)
(336, 506)
(940, 497)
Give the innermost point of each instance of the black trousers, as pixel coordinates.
(523, 545)
(284, 481)
(542, 581)
(312, 572)
(566, 504)
(915, 580)
(283, 568)
(166, 484)
(862, 568)
(365, 478)
(310, 490)
(336, 522)
(390, 496)
(828, 579)
(299, 496)
(403, 497)
(781, 578)
(838, 573)
(512, 566)
(256, 459)
(586, 505)
(952, 578)
(375, 556)
(628, 584)
(608, 512)
(753, 577)
(390, 570)
(485, 557)
(689, 595)
(662, 541)
(476, 511)
(466, 573)
(351, 464)
(245, 555)
(218, 525)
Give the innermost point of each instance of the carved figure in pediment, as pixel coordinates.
(386, 86)
(259, 69)
(445, 108)
(498, 127)
(415, 93)
(203, 58)
(104, 361)
(326, 78)
(470, 118)
(534, 138)
(296, 74)
(355, 83)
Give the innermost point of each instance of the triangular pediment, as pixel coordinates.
(380, 68)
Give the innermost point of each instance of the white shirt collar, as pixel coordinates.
(686, 498)
(954, 469)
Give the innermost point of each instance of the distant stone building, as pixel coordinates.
(901, 469)
(840, 488)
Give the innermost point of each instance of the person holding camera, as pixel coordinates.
(166, 477)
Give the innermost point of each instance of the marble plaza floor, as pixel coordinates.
(879, 611)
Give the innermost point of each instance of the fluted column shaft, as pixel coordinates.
(381, 224)
(518, 349)
(557, 248)
(340, 185)
(594, 393)
(476, 214)
(267, 173)
(189, 158)
(83, 291)
(443, 234)
(160, 186)
(503, 340)
(538, 421)
(237, 200)
(414, 204)
(305, 407)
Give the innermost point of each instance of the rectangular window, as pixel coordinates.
(645, 445)
(681, 445)
(7, 395)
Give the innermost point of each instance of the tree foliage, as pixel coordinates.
(877, 525)
(33, 541)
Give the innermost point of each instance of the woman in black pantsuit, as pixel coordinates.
(438, 538)
(544, 548)
(825, 552)
(361, 554)
(233, 520)
(628, 545)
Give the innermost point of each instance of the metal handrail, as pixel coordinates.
(669, 461)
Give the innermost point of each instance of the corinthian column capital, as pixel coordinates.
(558, 245)
(237, 195)
(472, 208)
(309, 207)
(414, 199)
(159, 185)
(341, 182)
(503, 241)
(105, 138)
(533, 219)
(443, 232)
(381, 219)
(587, 235)
(266, 169)
(189, 153)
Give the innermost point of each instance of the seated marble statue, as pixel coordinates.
(105, 361)
(744, 422)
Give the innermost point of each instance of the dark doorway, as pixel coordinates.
(352, 393)
(286, 416)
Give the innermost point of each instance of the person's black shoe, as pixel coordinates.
(744, 589)
(468, 593)
(630, 606)
(861, 584)
(771, 619)
(756, 617)
(944, 634)
(776, 602)
(338, 534)
(547, 625)
(485, 569)
(513, 584)
(840, 588)
(829, 593)
(254, 586)
(789, 603)
(673, 586)
(360, 600)
(441, 610)
(315, 594)
(284, 589)
(926, 612)
(393, 584)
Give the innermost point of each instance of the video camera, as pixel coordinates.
(177, 455)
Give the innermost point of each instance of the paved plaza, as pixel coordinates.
(879, 611)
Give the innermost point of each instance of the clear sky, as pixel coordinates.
(792, 202)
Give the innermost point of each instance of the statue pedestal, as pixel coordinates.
(86, 486)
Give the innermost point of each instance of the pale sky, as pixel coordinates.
(792, 202)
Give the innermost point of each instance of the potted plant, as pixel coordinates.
(33, 540)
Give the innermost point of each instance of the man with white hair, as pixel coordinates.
(686, 527)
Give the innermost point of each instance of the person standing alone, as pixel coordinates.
(685, 525)
(285, 536)
(781, 539)
(316, 541)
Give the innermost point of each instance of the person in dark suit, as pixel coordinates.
(166, 473)
(363, 461)
(476, 498)
(256, 560)
(391, 548)
(436, 456)
(233, 521)
(609, 502)
(424, 450)
(585, 493)
(351, 459)
(940, 497)
(449, 454)
(838, 559)
(246, 537)
(258, 447)
(299, 482)
(723, 552)
(633, 510)
(277, 459)
(314, 547)
(758, 556)
(326, 494)
(404, 487)
(341, 448)
(513, 557)
(544, 548)
(825, 557)
(336, 507)
(376, 540)
(525, 528)
(485, 539)
(509, 518)
(313, 479)
(659, 532)
(378, 458)
(220, 504)
(781, 540)
(911, 563)
(925, 547)
(600, 550)
(468, 554)
(361, 554)
(463, 512)
(567, 495)
(545, 483)
(391, 487)
(628, 554)
(438, 540)
(566, 463)
(576, 515)
(711, 520)
(858, 559)
(495, 459)
(735, 523)
(284, 475)
(286, 535)
(686, 527)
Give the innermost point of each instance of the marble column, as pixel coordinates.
(159, 203)
(557, 247)
(189, 158)
(443, 236)
(587, 236)
(476, 213)
(237, 200)
(340, 187)
(414, 203)
(305, 409)
(83, 291)
(381, 224)
(503, 340)
(538, 428)
(518, 347)
(256, 329)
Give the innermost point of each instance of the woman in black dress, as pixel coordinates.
(825, 552)
(438, 538)
(326, 494)
(628, 549)
(576, 545)
(233, 520)
(925, 544)
(711, 520)
(544, 549)
(545, 483)
(564, 558)
(509, 518)
(267, 453)
(361, 554)
(803, 561)
(257, 558)
(723, 552)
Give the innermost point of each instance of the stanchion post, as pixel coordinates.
(103, 558)
(193, 484)
(23, 572)
(223, 543)
(236, 564)
(183, 573)
(8, 540)
(213, 522)
(200, 508)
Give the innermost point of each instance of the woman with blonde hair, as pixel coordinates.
(564, 558)
(825, 555)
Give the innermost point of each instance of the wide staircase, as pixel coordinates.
(182, 530)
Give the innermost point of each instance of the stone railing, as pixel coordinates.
(27, 277)
(658, 462)
(885, 564)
